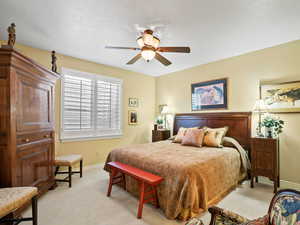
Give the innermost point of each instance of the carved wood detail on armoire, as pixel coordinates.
(26, 121)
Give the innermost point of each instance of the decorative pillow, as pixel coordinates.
(193, 137)
(213, 139)
(222, 130)
(214, 136)
(180, 135)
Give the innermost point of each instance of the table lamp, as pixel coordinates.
(165, 111)
(260, 107)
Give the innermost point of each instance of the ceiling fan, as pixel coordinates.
(149, 48)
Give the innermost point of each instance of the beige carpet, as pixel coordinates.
(86, 203)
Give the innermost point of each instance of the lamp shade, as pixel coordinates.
(165, 110)
(260, 106)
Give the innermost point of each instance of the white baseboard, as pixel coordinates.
(94, 166)
(283, 183)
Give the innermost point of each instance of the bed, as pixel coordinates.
(194, 178)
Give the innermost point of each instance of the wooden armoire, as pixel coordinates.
(26, 122)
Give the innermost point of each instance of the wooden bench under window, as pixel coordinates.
(68, 161)
(117, 175)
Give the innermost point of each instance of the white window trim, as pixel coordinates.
(92, 76)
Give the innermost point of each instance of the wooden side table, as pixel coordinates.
(160, 135)
(265, 160)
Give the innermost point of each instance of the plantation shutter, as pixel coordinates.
(91, 105)
(78, 93)
(108, 106)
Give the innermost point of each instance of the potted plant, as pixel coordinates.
(160, 122)
(273, 126)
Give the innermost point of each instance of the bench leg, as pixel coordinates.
(124, 181)
(56, 170)
(34, 210)
(111, 176)
(155, 196)
(252, 181)
(81, 165)
(70, 176)
(141, 203)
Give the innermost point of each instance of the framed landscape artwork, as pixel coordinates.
(209, 95)
(281, 98)
(132, 117)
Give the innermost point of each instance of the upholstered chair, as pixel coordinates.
(284, 210)
(14, 198)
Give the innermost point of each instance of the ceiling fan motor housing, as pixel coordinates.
(148, 31)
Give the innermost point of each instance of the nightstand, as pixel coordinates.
(265, 160)
(160, 135)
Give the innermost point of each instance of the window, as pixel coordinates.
(91, 106)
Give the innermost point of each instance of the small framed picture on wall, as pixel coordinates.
(133, 102)
(209, 95)
(132, 117)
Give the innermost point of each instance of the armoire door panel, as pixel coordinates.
(34, 104)
(3, 106)
(35, 164)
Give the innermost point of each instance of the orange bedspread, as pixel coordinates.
(194, 178)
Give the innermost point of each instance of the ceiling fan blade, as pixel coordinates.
(174, 49)
(116, 47)
(134, 59)
(162, 59)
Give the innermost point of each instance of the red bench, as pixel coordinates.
(117, 175)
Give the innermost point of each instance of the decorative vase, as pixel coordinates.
(160, 127)
(269, 132)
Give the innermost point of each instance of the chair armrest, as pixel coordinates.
(226, 215)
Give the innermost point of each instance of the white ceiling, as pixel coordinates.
(214, 29)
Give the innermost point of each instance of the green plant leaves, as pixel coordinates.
(271, 122)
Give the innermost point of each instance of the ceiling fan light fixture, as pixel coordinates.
(155, 42)
(140, 42)
(148, 39)
(148, 54)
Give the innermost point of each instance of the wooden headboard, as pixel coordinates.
(239, 123)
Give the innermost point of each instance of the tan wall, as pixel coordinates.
(244, 74)
(95, 151)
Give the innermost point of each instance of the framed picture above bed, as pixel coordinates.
(209, 95)
(281, 97)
